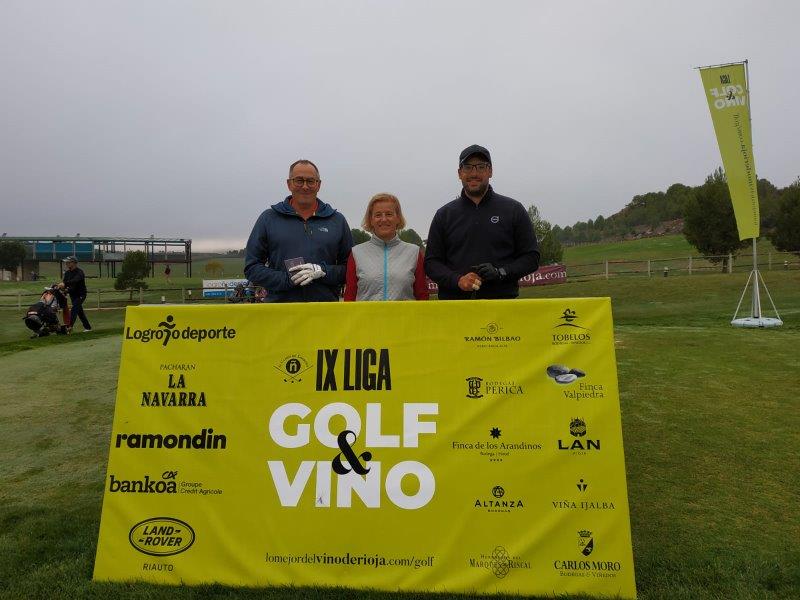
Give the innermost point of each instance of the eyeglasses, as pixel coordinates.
(480, 167)
(301, 181)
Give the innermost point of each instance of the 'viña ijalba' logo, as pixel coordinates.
(569, 331)
(292, 368)
(168, 330)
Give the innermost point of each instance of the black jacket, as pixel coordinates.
(497, 230)
(75, 282)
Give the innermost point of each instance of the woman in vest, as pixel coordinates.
(385, 267)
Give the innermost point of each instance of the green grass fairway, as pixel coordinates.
(711, 420)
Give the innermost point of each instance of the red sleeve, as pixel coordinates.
(420, 282)
(350, 280)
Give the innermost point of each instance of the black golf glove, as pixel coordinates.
(488, 272)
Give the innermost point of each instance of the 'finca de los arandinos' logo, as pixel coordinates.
(570, 331)
(168, 330)
(499, 562)
(292, 368)
(161, 536)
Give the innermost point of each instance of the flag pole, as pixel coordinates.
(756, 319)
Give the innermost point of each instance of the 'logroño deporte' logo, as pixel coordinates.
(161, 536)
(168, 330)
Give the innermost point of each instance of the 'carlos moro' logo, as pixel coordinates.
(161, 536)
(168, 330)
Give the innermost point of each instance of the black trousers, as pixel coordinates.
(77, 311)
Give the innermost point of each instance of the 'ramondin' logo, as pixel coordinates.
(205, 440)
(168, 330)
(161, 536)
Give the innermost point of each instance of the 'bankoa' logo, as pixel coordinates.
(205, 440)
(165, 485)
(168, 330)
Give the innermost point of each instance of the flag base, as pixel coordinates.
(757, 322)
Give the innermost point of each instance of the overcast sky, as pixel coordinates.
(180, 118)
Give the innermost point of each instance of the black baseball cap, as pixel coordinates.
(474, 149)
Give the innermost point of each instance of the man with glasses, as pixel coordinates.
(481, 243)
(298, 248)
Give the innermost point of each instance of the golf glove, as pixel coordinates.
(305, 274)
(488, 272)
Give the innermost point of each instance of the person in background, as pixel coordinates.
(481, 243)
(75, 286)
(167, 273)
(298, 248)
(385, 267)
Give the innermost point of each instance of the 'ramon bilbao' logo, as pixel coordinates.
(499, 562)
(168, 330)
(492, 335)
(570, 331)
(161, 536)
(292, 368)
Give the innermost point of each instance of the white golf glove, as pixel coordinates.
(305, 274)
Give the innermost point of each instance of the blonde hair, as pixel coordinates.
(383, 197)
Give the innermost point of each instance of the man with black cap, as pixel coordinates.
(481, 243)
(75, 285)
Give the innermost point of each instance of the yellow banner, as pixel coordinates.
(439, 446)
(729, 103)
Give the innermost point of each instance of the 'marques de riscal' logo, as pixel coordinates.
(168, 330)
(499, 562)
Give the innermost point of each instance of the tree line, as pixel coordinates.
(706, 214)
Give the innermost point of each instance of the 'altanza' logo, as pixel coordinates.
(168, 330)
(205, 440)
(161, 536)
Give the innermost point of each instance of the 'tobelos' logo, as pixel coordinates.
(161, 536)
(570, 331)
(168, 330)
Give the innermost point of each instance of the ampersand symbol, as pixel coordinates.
(351, 457)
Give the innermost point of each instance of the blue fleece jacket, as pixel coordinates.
(280, 233)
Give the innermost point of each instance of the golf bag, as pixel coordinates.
(42, 316)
